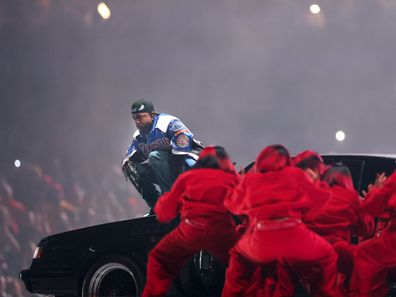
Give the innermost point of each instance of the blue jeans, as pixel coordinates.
(159, 163)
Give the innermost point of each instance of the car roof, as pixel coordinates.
(389, 156)
(364, 156)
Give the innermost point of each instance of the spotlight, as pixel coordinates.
(314, 8)
(104, 10)
(340, 136)
(17, 163)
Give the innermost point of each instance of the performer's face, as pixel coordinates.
(143, 121)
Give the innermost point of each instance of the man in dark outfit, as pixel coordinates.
(161, 149)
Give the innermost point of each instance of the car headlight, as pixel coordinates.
(38, 252)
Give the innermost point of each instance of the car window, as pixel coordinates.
(356, 167)
(374, 166)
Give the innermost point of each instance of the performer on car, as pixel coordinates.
(198, 196)
(274, 199)
(161, 149)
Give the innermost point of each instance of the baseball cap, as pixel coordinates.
(142, 105)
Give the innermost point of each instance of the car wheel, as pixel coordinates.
(114, 276)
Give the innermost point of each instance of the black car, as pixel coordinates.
(110, 259)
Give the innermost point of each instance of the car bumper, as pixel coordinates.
(53, 283)
(24, 276)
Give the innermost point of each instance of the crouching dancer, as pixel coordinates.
(274, 199)
(205, 224)
(375, 257)
(338, 218)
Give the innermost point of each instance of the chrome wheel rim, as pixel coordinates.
(113, 280)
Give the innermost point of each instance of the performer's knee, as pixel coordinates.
(155, 158)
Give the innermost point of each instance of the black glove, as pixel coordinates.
(131, 173)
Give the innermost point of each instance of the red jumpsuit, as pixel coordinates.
(286, 287)
(375, 257)
(275, 203)
(334, 222)
(205, 225)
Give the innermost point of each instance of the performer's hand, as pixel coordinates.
(369, 187)
(380, 180)
(126, 168)
(312, 174)
(144, 149)
(162, 144)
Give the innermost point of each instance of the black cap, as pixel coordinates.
(142, 105)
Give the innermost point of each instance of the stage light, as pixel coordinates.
(340, 136)
(104, 10)
(17, 163)
(314, 8)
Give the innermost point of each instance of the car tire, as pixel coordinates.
(113, 276)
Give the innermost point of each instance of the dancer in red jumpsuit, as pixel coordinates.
(290, 273)
(206, 224)
(375, 257)
(340, 216)
(274, 199)
(336, 220)
(313, 166)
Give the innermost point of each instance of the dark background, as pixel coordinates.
(242, 74)
(239, 73)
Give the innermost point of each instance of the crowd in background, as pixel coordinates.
(36, 202)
